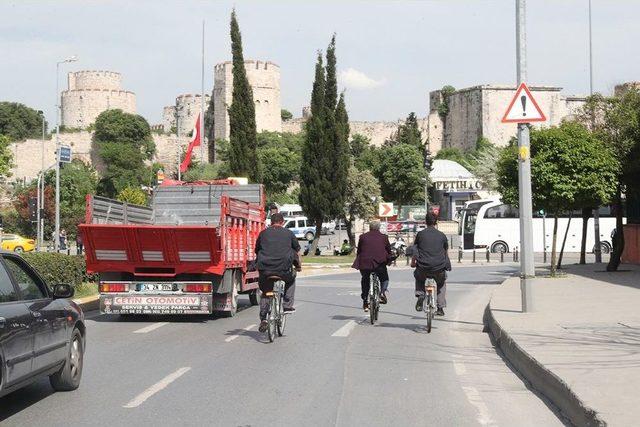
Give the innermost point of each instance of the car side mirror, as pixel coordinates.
(62, 290)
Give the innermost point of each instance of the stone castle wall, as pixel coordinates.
(264, 78)
(90, 93)
(186, 110)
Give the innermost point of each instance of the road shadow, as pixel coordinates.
(417, 328)
(256, 335)
(23, 398)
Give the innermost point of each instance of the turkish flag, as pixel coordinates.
(195, 142)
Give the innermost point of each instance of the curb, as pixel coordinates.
(88, 303)
(541, 378)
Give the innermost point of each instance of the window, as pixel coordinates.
(27, 282)
(7, 292)
(291, 224)
(8, 237)
(501, 211)
(301, 223)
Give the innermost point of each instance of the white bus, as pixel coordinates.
(495, 225)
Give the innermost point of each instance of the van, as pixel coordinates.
(302, 227)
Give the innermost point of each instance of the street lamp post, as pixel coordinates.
(56, 239)
(40, 203)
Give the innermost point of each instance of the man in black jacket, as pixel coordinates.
(277, 253)
(431, 260)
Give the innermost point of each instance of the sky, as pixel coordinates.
(391, 54)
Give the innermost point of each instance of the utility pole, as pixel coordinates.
(596, 212)
(56, 239)
(527, 268)
(178, 109)
(202, 101)
(40, 203)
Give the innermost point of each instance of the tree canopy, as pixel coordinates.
(402, 174)
(18, 122)
(6, 157)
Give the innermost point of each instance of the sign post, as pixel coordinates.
(523, 110)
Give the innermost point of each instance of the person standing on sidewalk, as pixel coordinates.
(431, 261)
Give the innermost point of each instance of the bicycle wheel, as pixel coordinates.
(282, 318)
(273, 313)
(374, 296)
(429, 311)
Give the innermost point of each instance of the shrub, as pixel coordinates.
(60, 268)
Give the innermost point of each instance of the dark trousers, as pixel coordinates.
(365, 282)
(421, 275)
(266, 285)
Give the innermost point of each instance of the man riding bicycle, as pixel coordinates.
(431, 259)
(373, 254)
(277, 253)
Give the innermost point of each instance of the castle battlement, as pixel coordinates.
(248, 63)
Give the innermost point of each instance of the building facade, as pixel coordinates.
(90, 93)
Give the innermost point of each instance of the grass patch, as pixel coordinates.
(328, 259)
(86, 289)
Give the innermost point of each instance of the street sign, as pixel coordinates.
(65, 154)
(523, 108)
(385, 210)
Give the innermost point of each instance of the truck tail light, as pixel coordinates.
(113, 287)
(197, 287)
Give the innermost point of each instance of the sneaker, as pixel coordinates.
(383, 298)
(420, 303)
(263, 326)
(289, 310)
(439, 312)
(365, 307)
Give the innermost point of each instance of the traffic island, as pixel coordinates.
(579, 348)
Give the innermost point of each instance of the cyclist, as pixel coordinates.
(431, 260)
(373, 254)
(277, 253)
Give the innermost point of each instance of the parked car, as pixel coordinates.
(302, 227)
(17, 243)
(42, 332)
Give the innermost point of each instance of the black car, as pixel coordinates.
(42, 332)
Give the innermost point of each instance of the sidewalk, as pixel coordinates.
(580, 348)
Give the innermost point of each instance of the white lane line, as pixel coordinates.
(233, 337)
(345, 330)
(150, 328)
(484, 417)
(459, 367)
(159, 386)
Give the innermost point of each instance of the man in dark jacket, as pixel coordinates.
(374, 251)
(277, 253)
(431, 260)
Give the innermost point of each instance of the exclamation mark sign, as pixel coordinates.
(523, 99)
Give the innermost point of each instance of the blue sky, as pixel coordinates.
(390, 53)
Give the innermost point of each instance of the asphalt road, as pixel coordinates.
(332, 368)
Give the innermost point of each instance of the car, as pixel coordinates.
(17, 243)
(302, 227)
(42, 332)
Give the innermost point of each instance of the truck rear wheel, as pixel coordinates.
(233, 295)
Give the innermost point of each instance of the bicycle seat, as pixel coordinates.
(274, 278)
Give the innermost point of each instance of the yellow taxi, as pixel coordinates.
(17, 243)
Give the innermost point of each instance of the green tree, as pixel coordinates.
(209, 128)
(482, 163)
(361, 198)
(443, 108)
(133, 195)
(451, 153)
(315, 173)
(402, 174)
(358, 144)
(570, 169)
(281, 167)
(285, 115)
(123, 143)
(6, 157)
(243, 159)
(616, 121)
(409, 132)
(203, 172)
(18, 122)
(341, 157)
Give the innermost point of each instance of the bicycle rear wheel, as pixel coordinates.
(374, 298)
(282, 318)
(429, 311)
(272, 319)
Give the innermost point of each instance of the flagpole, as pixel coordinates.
(202, 101)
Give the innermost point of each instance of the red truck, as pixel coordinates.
(188, 253)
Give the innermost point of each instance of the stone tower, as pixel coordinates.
(90, 93)
(186, 110)
(264, 78)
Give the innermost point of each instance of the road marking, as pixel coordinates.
(233, 337)
(159, 386)
(150, 328)
(484, 417)
(459, 367)
(345, 330)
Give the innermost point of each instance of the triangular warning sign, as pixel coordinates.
(523, 108)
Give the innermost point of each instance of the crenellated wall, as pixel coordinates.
(186, 110)
(89, 94)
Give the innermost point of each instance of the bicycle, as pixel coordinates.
(276, 317)
(429, 306)
(374, 297)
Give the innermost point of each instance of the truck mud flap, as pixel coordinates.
(156, 304)
(222, 302)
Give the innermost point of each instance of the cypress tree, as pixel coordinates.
(315, 173)
(409, 132)
(243, 159)
(209, 127)
(342, 160)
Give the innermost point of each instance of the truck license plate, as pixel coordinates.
(155, 287)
